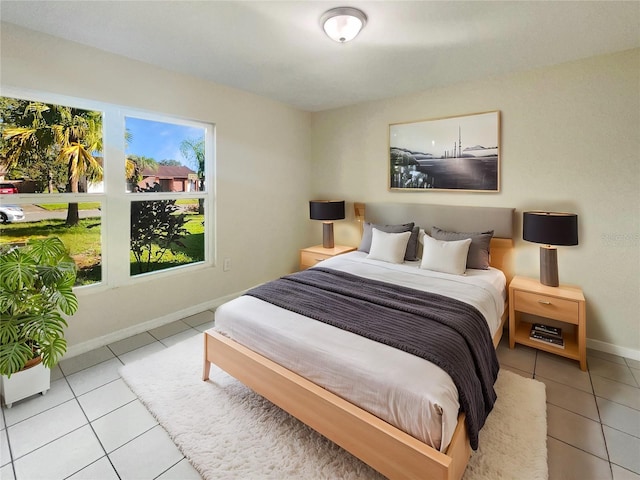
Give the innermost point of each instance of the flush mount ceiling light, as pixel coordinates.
(343, 23)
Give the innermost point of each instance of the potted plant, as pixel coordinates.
(36, 291)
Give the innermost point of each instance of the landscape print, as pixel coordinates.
(454, 153)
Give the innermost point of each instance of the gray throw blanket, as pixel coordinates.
(447, 332)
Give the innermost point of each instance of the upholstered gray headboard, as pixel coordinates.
(447, 217)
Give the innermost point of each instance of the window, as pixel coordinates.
(166, 166)
(78, 180)
(49, 219)
(51, 153)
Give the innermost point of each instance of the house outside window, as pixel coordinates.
(169, 179)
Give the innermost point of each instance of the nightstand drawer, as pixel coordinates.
(312, 255)
(309, 259)
(546, 306)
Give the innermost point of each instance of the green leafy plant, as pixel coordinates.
(36, 290)
(155, 227)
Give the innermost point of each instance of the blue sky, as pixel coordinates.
(159, 140)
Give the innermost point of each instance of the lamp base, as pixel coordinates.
(327, 235)
(549, 266)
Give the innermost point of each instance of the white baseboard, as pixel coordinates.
(94, 343)
(613, 349)
(98, 342)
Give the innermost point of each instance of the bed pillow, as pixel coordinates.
(365, 243)
(478, 256)
(442, 256)
(420, 246)
(388, 247)
(413, 248)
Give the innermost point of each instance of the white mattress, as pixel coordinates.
(402, 389)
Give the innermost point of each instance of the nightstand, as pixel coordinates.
(565, 305)
(312, 255)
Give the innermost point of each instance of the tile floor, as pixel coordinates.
(91, 426)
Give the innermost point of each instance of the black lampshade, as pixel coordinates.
(326, 210)
(550, 228)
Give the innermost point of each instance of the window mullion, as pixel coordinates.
(116, 224)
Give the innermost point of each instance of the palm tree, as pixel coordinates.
(192, 150)
(81, 136)
(35, 131)
(22, 154)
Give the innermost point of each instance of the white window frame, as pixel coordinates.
(115, 200)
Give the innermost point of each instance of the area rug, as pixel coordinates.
(228, 432)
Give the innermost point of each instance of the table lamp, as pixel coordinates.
(326, 210)
(550, 229)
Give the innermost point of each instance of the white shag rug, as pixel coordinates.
(228, 432)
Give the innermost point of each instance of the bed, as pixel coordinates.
(397, 448)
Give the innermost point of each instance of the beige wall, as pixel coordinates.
(262, 176)
(570, 142)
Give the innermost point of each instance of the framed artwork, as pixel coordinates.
(459, 153)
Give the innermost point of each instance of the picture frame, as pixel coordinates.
(458, 153)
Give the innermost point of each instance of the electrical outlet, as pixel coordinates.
(226, 265)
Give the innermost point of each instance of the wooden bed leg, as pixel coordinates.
(206, 365)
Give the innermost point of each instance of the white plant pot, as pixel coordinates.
(25, 383)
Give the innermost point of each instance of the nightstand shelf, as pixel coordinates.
(563, 305)
(312, 255)
(570, 349)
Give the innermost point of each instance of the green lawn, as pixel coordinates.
(191, 251)
(65, 206)
(84, 243)
(96, 205)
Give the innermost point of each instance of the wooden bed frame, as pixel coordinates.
(387, 449)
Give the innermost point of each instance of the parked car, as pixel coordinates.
(8, 188)
(11, 213)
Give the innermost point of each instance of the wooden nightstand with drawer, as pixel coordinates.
(564, 305)
(312, 255)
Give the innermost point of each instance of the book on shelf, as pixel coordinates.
(546, 329)
(552, 340)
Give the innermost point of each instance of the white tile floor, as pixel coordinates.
(91, 426)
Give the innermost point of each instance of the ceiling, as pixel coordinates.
(277, 49)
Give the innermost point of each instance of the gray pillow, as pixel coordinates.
(365, 243)
(478, 256)
(412, 246)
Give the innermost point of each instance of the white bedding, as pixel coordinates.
(404, 390)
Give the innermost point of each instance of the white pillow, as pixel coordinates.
(447, 257)
(388, 247)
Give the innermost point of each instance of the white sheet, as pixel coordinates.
(404, 390)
